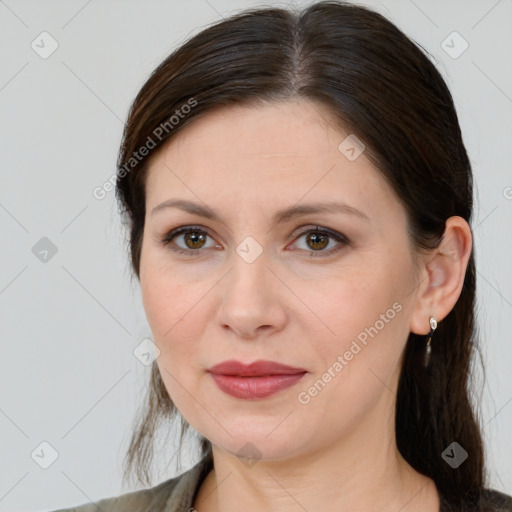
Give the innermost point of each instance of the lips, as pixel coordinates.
(256, 369)
(257, 380)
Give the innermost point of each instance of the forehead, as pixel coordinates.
(273, 154)
(280, 130)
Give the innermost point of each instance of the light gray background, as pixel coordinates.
(69, 326)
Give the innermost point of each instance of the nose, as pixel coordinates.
(252, 300)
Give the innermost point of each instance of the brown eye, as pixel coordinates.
(316, 240)
(192, 240)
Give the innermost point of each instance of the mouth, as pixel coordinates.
(257, 380)
(252, 388)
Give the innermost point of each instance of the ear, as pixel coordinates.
(441, 276)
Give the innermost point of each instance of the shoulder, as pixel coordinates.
(490, 500)
(496, 501)
(173, 495)
(136, 500)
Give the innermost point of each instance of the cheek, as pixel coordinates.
(161, 290)
(175, 313)
(159, 301)
(171, 319)
(165, 300)
(363, 317)
(358, 363)
(171, 293)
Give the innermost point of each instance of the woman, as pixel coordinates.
(299, 201)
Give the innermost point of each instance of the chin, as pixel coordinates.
(255, 446)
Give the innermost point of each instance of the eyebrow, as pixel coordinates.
(280, 216)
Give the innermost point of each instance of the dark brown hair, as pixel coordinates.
(386, 91)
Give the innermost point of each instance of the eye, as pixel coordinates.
(318, 239)
(193, 238)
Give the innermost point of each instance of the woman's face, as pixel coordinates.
(252, 285)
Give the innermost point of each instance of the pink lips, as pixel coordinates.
(256, 380)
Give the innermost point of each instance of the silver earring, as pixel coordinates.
(428, 348)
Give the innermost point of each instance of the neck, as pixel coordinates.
(362, 473)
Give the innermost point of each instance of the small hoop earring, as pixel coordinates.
(428, 348)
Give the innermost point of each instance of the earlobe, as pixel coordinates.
(445, 271)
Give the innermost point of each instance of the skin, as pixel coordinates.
(338, 451)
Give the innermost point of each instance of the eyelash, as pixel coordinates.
(340, 238)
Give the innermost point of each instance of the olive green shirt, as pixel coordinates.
(175, 495)
(179, 493)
